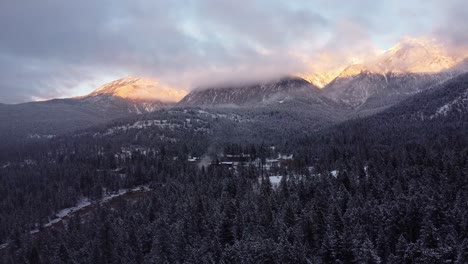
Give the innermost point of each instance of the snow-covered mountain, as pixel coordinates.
(134, 95)
(458, 105)
(409, 67)
(252, 94)
(136, 88)
(321, 79)
(448, 101)
(414, 56)
(121, 98)
(355, 89)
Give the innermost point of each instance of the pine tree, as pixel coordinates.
(462, 256)
(33, 256)
(366, 253)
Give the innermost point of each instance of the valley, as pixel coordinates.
(369, 168)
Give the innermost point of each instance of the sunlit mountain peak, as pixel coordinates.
(320, 79)
(410, 55)
(137, 88)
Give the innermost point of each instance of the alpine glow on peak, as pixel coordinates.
(138, 88)
(410, 55)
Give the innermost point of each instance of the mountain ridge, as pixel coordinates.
(138, 89)
(358, 90)
(411, 66)
(252, 94)
(409, 55)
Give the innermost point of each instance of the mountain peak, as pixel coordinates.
(250, 94)
(409, 55)
(409, 67)
(415, 56)
(137, 88)
(353, 70)
(320, 79)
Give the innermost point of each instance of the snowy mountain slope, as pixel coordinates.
(459, 105)
(46, 118)
(414, 56)
(121, 98)
(250, 95)
(411, 66)
(407, 69)
(140, 89)
(449, 101)
(358, 90)
(291, 100)
(320, 79)
(133, 95)
(410, 55)
(443, 103)
(199, 128)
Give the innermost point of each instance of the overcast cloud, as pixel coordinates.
(55, 48)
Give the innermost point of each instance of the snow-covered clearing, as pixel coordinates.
(275, 180)
(83, 204)
(86, 202)
(37, 136)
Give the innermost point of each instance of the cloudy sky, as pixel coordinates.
(56, 48)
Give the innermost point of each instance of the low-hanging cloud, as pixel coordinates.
(451, 26)
(54, 48)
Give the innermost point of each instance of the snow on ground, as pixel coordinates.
(37, 136)
(334, 173)
(27, 162)
(108, 197)
(231, 116)
(460, 103)
(164, 124)
(443, 110)
(86, 202)
(275, 180)
(121, 192)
